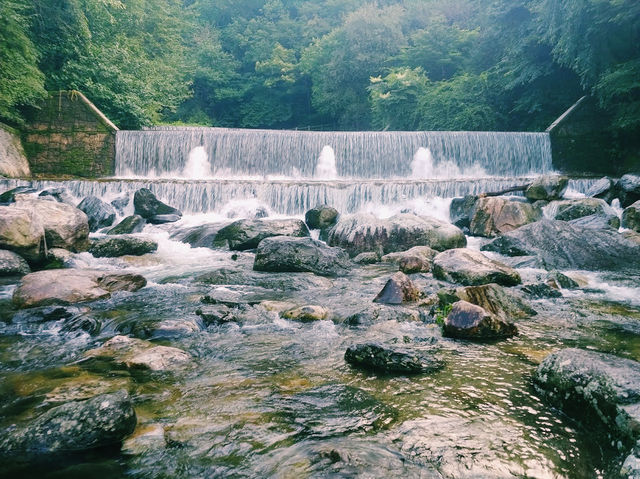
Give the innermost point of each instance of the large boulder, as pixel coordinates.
(66, 286)
(121, 245)
(560, 245)
(21, 232)
(493, 298)
(631, 217)
(288, 254)
(130, 224)
(321, 217)
(597, 222)
(364, 232)
(64, 225)
(594, 388)
(247, 234)
(461, 210)
(101, 421)
(470, 267)
(548, 188)
(383, 359)
(13, 161)
(399, 289)
(138, 354)
(12, 264)
(152, 209)
(628, 188)
(99, 213)
(493, 216)
(468, 321)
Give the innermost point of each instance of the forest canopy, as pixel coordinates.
(326, 64)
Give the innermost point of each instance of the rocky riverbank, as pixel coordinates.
(250, 347)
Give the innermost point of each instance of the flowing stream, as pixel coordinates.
(268, 397)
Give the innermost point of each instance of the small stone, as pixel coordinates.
(399, 289)
(307, 313)
(468, 321)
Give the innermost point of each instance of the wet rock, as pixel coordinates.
(21, 233)
(594, 388)
(468, 321)
(64, 226)
(120, 203)
(631, 217)
(604, 189)
(321, 217)
(493, 298)
(149, 207)
(560, 245)
(274, 281)
(577, 208)
(67, 286)
(549, 188)
(470, 267)
(139, 354)
(201, 236)
(174, 329)
(364, 232)
(557, 280)
(631, 466)
(247, 234)
(381, 313)
(121, 245)
(60, 195)
(376, 357)
(597, 222)
(307, 313)
(163, 219)
(12, 264)
(399, 289)
(216, 314)
(102, 421)
(48, 313)
(288, 254)
(541, 290)
(368, 257)
(121, 282)
(9, 196)
(99, 213)
(494, 216)
(461, 210)
(59, 258)
(628, 188)
(423, 251)
(410, 264)
(130, 224)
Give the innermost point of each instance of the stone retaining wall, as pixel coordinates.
(68, 135)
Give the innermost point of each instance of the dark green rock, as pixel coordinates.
(321, 217)
(130, 224)
(376, 357)
(104, 420)
(114, 246)
(147, 205)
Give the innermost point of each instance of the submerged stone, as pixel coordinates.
(102, 421)
(384, 359)
(307, 313)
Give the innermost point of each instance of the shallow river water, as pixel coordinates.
(269, 397)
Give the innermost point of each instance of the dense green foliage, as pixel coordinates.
(327, 64)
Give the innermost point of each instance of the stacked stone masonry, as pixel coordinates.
(68, 135)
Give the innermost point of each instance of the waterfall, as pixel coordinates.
(260, 153)
(285, 197)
